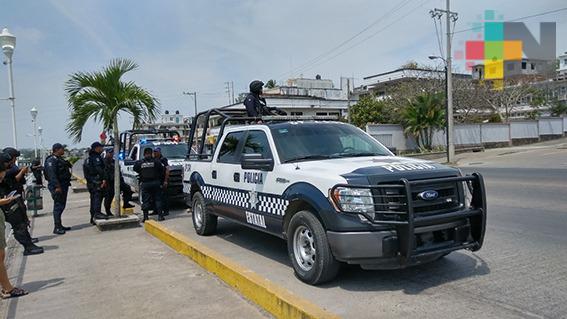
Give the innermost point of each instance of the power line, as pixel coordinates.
(343, 43)
(367, 38)
(517, 19)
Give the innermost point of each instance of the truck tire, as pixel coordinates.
(204, 222)
(309, 251)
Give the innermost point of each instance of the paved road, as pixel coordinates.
(115, 274)
(520, 272)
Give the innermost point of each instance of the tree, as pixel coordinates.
(271, 84)
(102, 96)
(557, 108)
(241, 97)
(422, 117)
(369, 110)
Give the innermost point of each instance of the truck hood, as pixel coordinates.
(376, 169)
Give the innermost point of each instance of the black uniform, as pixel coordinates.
(15, 212)
(109, 192)
(93, 170)
(164, 199)
(58, 175)
(150, 173)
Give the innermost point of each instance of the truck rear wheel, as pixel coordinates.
(204, 222)
(309, 251)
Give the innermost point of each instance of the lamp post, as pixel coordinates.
(33, 113)
(40, 133)
(448, 110)
(8, 44)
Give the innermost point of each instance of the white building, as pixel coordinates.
(317, 96)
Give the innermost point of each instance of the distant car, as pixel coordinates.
(334, 193)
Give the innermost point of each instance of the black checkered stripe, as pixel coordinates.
(266, 203)
(272, 204)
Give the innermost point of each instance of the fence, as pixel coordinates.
(486, 134)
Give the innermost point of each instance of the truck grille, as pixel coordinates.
(391, 201)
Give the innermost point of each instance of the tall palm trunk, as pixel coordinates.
(116, 133)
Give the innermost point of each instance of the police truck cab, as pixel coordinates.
(132, 145)
(334, 193)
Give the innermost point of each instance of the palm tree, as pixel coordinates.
(271, 84)
(103, 96)
(423, 115)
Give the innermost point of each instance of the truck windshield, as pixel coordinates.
(173, 151)
(316, 141)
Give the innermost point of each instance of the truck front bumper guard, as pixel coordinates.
(409, 221)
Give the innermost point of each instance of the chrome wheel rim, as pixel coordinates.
(198, 215)
(304, 248)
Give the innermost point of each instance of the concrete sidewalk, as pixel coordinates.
(116, 274)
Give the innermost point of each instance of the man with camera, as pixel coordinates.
(16, 212)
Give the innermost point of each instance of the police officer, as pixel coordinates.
(256, 105)
(150, 172)
(109, 191)
(93, 170)
(16, 212)
(165, 180)
(58, 176)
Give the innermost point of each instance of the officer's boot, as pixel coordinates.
(160, 216)
(33, 250)
(145, 216)
(23, 236)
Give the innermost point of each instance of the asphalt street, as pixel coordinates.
(519, 273)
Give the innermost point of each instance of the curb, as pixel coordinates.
(80, 179)
(274, 299)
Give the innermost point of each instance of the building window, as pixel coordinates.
(532, 66)
(524, 65)
(334, 113)
(321, 113)
(296, 113)
(565, 61)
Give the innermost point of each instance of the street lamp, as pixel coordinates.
(8, 44)
(448, 110)
(33, 113)
(41, 149)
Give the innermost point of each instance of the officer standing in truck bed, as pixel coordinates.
(150, 173)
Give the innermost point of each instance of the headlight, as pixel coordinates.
(354, 200)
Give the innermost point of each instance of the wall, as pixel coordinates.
(467, 135)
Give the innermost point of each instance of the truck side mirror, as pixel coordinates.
(256, 162)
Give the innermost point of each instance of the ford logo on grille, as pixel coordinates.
(428, 195)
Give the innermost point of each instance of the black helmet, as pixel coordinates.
(256, 86)
(12, 152)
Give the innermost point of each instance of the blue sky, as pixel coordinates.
(197, 45)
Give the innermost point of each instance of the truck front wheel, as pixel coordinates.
(309, 251)
(204, 222)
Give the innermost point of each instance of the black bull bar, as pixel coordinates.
(406, 226)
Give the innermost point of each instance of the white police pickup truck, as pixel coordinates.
(332, 191)
(134, 142)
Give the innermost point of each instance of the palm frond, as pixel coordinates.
(102, 95)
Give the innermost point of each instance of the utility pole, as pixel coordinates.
(348, 101)
(194, 94)
(450, 17)
(227, 90)
(232, 90)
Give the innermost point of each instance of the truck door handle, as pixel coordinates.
(214, 174)
(236, 177)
